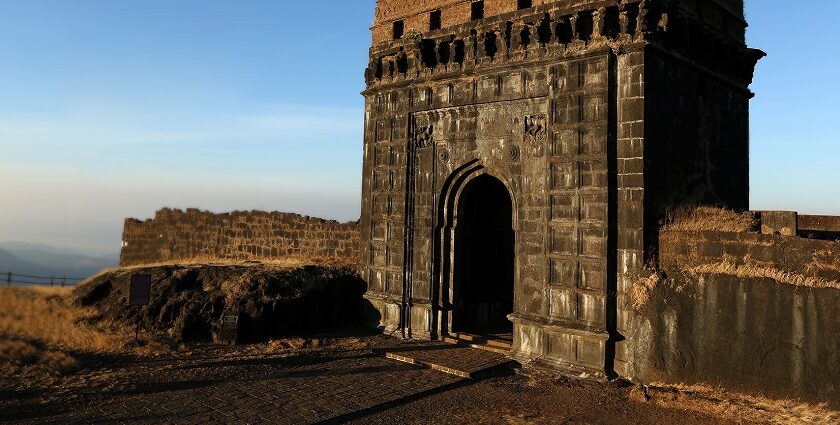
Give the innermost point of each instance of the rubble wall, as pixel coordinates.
(174, 235)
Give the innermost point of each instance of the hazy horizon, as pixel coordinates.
(110, 110)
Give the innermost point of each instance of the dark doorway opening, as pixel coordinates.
(398, 29)
(477, 10)
(434, 20)
(484, 260)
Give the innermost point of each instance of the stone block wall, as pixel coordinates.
(808, 257)
(174, 235)
(790, 223)
(580, 109)
(749, 311)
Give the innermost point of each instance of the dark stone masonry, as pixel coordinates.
(754, 312)
(564, 129)
(193, 235)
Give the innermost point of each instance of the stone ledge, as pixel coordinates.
(557, 326)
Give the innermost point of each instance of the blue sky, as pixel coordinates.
(115, 108)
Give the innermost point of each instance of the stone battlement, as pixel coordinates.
(555, 32)
(396, 19)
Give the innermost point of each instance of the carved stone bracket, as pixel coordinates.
(535, 133)
(535, 129)
(423, 136)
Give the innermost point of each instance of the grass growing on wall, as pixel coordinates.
(753, 269)
(642, 289)
(711, 219)
(290, 261)
(737, 407)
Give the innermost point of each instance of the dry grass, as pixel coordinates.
(16, 354)
(38, 326)
(711, 219)
(45, 315)
(238, 289)
(752, 269)
(740, 407)
(285, 262)
(824, 260)
(642, 289)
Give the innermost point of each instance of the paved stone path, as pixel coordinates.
(332, 390)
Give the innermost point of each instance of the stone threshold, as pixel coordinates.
(454, 359)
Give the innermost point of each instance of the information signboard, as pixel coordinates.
(228, 331)
(140, 291)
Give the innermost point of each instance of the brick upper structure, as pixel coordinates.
(417, 14)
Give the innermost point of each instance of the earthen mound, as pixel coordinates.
(189, 301)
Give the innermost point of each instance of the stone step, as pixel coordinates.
(491, 345)
(468, 337)
(499, 344)
(459, 360)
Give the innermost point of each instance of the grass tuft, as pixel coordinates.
(291, 261)
(39, 328)
(740, 408)
(43, 314)
(642, 289)
(753, 269)
(711, 219)
(18, 353)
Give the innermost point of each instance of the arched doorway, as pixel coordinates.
(483, 266)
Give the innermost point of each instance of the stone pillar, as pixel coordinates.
(553, 21)
(501, 46)
(624, 25)
(598, 24)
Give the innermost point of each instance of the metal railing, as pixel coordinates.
(52, 280)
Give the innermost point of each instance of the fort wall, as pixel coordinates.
(174, 235)
(749, 311)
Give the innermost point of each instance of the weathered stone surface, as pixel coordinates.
(750, 334)
(193, 235)
(591, 119)
(779, 223)
(808, 257)
(744, 311)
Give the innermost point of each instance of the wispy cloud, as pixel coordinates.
(284, 124)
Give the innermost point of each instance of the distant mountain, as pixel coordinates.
(17, 245)
(11, 263)
(42, 260)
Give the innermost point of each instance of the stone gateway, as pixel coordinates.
(519, 154)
